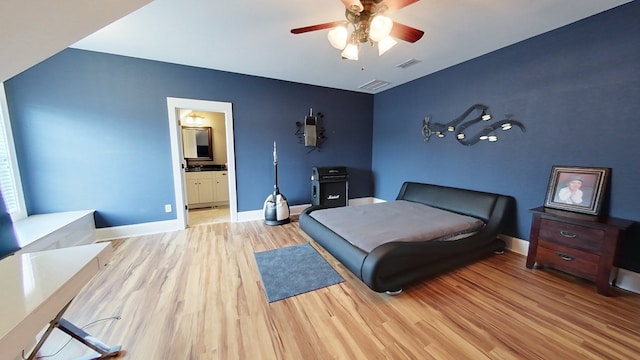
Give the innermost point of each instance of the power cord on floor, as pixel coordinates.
(117, 317)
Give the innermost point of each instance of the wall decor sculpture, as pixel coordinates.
(311, 131)
(457, 126)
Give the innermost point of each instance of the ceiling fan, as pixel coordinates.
(370, 24)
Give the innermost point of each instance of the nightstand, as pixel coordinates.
(578, 244)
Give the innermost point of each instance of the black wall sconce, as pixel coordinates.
(458, 127)
(311, 131)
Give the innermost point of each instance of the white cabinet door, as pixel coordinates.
(200, 187)
(193, 196)
(222, 186)
(206, 189)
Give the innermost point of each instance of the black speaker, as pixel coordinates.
(330, 186)
(332, 194)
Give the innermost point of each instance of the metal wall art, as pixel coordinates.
(311, 131)
(457, 126)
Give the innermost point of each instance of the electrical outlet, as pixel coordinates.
(167, 208)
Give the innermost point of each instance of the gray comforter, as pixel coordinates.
(369, 226)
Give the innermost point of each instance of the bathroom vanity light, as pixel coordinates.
(193, 119)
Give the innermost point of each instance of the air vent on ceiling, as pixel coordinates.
(374, 85)
(408, 63)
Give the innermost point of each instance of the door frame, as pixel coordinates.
(178, 163)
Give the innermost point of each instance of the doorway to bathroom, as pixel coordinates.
(205, 186)
(204, 149)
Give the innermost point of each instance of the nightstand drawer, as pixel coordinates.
(581, 245)
(575, 236)
(567, 259)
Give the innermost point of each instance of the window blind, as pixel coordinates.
(7, 178)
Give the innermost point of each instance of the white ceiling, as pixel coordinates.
(253, 37)
(31, 31)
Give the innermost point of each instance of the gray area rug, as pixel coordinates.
(294, 270)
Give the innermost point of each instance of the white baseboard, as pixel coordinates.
(365, 200)
(251, 215)
(515, 245)
(259, 214)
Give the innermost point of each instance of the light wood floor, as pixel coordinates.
(214, 215)
(196, 294)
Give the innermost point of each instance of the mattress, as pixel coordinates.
(371, 225)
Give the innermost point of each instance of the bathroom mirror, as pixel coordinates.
(196, 143)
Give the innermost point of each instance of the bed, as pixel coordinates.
(427, 230)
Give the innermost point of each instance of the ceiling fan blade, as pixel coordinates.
(406, 33)
(394, 5)
(316, 27)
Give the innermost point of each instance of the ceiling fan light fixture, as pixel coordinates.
(368, 23)
(385, 44)
(350, 51)
(380, 28)
(338, 36)
(353, 5)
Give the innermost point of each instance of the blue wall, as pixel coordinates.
(577, 90)
(92, 132)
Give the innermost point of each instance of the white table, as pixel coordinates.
(36, 289)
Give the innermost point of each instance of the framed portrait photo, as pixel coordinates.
(579, 189)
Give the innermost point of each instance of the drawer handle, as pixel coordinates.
(565, 257)
(568, 234)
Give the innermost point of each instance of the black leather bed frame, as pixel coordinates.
(393, 265)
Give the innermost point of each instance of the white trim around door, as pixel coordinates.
(173, 107)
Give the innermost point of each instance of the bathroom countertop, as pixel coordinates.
(206, 168)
